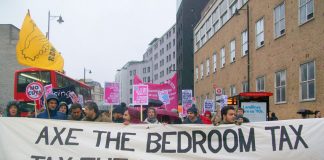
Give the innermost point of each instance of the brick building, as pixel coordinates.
(282, 43)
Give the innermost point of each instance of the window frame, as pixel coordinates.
(264, 88)
(283, 4)
(307, 81)
(279, 87)
(257, 34)
(299, 12)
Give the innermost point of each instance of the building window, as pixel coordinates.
(131, 91)
(222, 57)
(223, 11)
(201, 71)
(144, 79)
(161, 74)
(215, 62)
(232, 90)
(156, 66)
(307, 81)
(306, 10)
(244, 43)
(232, 45)
(144, 70)
(130, 73)
(280, 86)
(259, 33)
(148, 69)
(148, 79)
(197, 74)
(156, 76)
(174, 67)
(130, 100)
(245, 86)
(131, 82)
(260, 84)
(233, 7)
(207, 66)
(279, 20)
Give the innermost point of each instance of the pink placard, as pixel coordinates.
(112, 93)
(140, 94)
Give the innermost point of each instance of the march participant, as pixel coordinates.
(131, 116)
(63, 108)
(240, 112)
(76, 112)
(13, 109)
(228, 115)
(51, 111)
(151, 116)
(192, 116)
(92, 113)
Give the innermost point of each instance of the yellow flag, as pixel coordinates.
(33, 49)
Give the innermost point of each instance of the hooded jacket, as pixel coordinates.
(54, 114)
(13, 103)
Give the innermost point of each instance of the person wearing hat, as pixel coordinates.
(118, 113)
(192, 116)
(63, 108)
(13, 109)
(51, 111)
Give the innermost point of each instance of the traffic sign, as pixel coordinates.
(34, 91)
(218, 91)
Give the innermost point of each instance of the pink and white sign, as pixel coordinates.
(140, 94)
(170, 85)
(48, 89)
(112, 93)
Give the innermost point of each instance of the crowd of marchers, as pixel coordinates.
(128, 115)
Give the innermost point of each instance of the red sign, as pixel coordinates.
(256, 94)
(218, 91)
(34, 91)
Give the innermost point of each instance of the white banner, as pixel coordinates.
(39, 139)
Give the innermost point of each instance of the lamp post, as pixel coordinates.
(248, 44)
(84, 74)
(60, 20)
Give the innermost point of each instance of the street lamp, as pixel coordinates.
(84, 74)
(248, 40)
(60, 20)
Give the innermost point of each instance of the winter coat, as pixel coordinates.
(99, 118)
(197, 121)
(54, 114)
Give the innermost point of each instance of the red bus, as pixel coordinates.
(58, 80)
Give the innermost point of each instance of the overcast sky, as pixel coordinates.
(101, 35)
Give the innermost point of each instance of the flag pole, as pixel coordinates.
(141, 113)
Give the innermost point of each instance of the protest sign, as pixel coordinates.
(140, 94)
(255, 111)
(112, 93)
(186, 100)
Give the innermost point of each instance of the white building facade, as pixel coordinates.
(157, 66)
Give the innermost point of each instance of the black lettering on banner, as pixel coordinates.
(69, 136)
(110, 139)
(227, 148)
(273, 135)
(58, 136)
(149, 141)
(37, 157)
(250, 141)
(298, 136)
(284, 137)
(200, 143)
(99, 137)
(125, 139)
(164, 142)
(189, 146)
(210, 136)
(43, 134)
